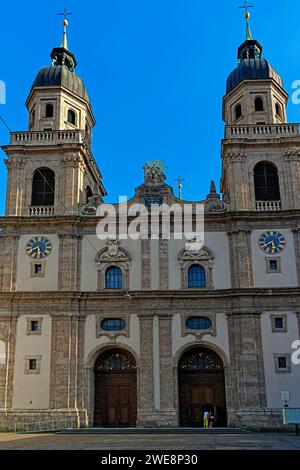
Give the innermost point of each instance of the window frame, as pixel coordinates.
(120, 276)
(47, 107)
(266, 182)
(273, 318)
(261, 101)
(202, 277)
(72, 113)
(237, 115)
(38, 181)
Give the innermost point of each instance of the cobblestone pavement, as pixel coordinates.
(149, 442)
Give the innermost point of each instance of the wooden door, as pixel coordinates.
(115, 399)
(199, 392)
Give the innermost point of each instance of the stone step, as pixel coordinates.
(154, 431)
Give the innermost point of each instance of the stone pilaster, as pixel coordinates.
(67, 362)
(168, 415)
(146, 263)
(296, 233)
(16, 186)
(163, 264)
(9, 244)
(245, 376)
(69, 196)
(240, 258)
(69, 267)
(146, 386)
(8, 334)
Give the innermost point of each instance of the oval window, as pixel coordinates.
(113, 324)
(198, 323)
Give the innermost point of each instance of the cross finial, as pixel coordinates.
(65, 13)
(247, 17)
(65, 23)
(246, 7)
(179, 186)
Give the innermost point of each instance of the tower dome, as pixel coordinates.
(62, 71)
(251, 66)
(58, 99)
(254, 90)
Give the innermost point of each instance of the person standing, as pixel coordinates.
(206, 419)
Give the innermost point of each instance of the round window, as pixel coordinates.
(113, 324)
(198, 323)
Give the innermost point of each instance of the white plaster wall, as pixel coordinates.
(220, 340)
(47, 283)
(31, 391)
(217, 243)
(91, 341)
(288, 276)
(280, 343)
(91, 245)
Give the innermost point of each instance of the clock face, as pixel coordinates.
(272, 243)
(39, 247)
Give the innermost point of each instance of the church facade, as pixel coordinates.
(145, 332)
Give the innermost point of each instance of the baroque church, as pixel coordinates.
(146, 333)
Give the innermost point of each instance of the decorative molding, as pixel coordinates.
(284, 328)
(288, 367)
(38, 359)
(202, 257)
(29, 331)
(198, 333)
(268, 265)
(40, 274)
(112, 335)
(113, 255)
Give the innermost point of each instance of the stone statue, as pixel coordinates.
(153, 172)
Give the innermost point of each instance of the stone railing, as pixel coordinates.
(47, 137)
(268, 206)
(262, 131)
(41, 211)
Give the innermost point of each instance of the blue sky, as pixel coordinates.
(155, 71)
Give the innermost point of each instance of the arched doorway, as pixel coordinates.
(201, 387)
(115, 389)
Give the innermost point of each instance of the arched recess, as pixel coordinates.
(43, 187)
(115, 388)
(266, 182)
(201, 386)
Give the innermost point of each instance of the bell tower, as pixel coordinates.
(260, 151)
(51, 168)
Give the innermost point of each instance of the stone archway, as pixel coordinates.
(115, 389)
(201, 386)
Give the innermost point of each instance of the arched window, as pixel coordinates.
(278, 110)
(43, 187)
(238, 111)
(72, 117)
(115, 360)
(196, 276)
(266, 182)
(49, 110)
(113, 278)
(259, 104)
(89, 193)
